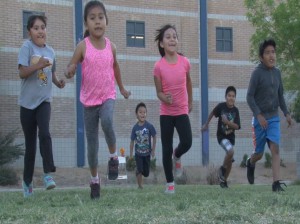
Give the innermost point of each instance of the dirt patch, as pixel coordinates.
(79, 177)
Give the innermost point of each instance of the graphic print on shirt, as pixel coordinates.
(142, 145)
(230, 117)
(41, 74)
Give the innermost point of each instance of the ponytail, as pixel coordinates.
(86, 33)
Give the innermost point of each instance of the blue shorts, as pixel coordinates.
(261, 136)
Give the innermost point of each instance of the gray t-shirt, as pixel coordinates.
(37, 88)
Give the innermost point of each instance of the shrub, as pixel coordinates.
(244, 161)
(8, 176)
(268, 162)
(212, 175)
(153, 164)
(9, 152)
(183, 179)
(130, 163)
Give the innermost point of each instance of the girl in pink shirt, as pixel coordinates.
(174, 89)
(100, 68)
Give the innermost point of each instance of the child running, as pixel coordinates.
(37, 66)
(228, 121)
(141, 135)
(100, 68)
(264, 96)
(174, 89)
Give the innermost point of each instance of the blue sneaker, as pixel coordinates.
(49, 182)
(27, 190)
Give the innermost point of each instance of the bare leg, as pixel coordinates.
(227, 164)
(94, 171)
(112, 149)
(255, 157)
(139, 179)
(274, 148)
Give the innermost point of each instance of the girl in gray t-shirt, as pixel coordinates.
(36, 63)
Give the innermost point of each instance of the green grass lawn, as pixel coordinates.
(190, 204)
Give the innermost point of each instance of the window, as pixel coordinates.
(135, 34)
(26, 15)
(224, 39)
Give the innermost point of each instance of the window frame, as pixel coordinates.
(135, 35)
(224, 40)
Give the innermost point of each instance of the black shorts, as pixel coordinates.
(142, 165)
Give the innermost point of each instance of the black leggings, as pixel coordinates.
(32, 120)
(183, 127)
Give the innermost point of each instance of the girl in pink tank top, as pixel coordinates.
(100, 69)
(174, 90)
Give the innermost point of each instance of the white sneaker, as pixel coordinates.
(178, 170)
(170, 188)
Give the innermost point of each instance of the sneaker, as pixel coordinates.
(49, 182)
(178, 170)
(95, 190)
(113, 168)
(223, 184)
(27, 190)
(276, 186)
(170, 189)
(221, 174)
(250, 171)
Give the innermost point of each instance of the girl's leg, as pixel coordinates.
(106, 116)
(167, 132)
(43, 118)
(29, 127)
(183, 127)
(91, 121)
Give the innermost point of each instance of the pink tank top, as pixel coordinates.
(98, 80)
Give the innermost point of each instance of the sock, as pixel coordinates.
(95, 180)
(111, 155)
(170, 184)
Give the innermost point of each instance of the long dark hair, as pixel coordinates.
(33, 18)
(160, 36)
(87, 9)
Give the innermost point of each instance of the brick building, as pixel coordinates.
(131, 26)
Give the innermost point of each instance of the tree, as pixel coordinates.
(279, 19)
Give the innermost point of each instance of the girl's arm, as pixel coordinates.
(77, 58)
(59, 83)
(166, 98)
(26, 71)
(117, 72)
(189, 88)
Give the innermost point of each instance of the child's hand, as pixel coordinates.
(71, 70)
(204, 127)
(61, 83)
(224, 119)
(43, 62)
(262, 121)
(125, 93)
(169, 99)
(152, 154)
